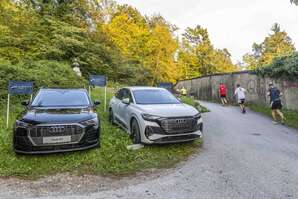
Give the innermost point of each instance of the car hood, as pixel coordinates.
(58, 115)
(169, 110)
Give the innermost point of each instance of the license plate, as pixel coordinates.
(56, 139)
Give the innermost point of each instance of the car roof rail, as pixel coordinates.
(63, 87)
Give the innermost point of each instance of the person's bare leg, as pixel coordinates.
(225, 100)
(281, 115)
(241, 107)
(274, 116)
(222, 101)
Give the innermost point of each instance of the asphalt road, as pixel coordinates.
(243, 156)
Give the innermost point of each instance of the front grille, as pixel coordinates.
(179, 125)
(38, 133)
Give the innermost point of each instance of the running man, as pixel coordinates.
(275, 103)
(240, 94)
(222, 90)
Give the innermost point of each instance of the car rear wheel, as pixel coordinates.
(135, 132)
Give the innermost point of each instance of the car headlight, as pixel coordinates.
(87, 110)
(92, 122)
(198, 117)
(19, 123)
(149, 117)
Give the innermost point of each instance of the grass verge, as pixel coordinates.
(111, 159)
(191, 101)
(291, 116)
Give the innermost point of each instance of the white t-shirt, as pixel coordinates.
(240, 93)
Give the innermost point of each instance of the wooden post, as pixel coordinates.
(105, 103)
(7, 110)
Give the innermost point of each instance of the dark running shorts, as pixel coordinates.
(241, 101)
(223, 96)
(276, 105)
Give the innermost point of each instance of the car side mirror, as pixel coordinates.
(25, 103)
(126, 101)
(96, 103)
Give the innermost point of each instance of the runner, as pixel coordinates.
(275, 103)
(183, 91)
(222, 90)
(240, 94)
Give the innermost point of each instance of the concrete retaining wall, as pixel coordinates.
(206, 88)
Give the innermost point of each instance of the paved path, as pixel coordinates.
(243, 156)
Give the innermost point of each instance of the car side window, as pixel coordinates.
(127, 94)
(119, 94)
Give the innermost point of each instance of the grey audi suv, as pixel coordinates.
(154, 115)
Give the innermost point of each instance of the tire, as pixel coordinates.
(135, 132)
(111, 117)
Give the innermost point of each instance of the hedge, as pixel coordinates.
(285, 67)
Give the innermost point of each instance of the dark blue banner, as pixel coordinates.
(166, 85)
(20, 88)
(97, 80)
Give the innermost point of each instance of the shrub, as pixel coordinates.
(281, 67)
(44, 73)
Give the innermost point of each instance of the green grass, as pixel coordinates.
(111, 159)
(291, 116)
(191, 101)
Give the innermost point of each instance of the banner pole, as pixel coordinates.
(105, 108)
(89, 91)
(7, 111)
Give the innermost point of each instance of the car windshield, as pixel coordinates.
(154, 96)
(61, 98)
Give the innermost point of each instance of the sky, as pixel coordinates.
(232, 24)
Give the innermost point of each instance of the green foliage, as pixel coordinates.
(27, 34)
(282, 67)
(53, 74)
(197, 56)
(277, 44)
(145, 41)
(112, 158)
(106, 38)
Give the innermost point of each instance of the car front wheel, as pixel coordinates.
(111, 117)
(135, 132)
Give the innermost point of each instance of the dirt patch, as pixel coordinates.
(68, 184)
(65, 184)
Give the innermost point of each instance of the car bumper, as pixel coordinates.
(56, 150)
(175, 138)
(23, 145)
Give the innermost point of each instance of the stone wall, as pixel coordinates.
(206, 88)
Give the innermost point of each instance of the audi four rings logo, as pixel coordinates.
(180, 121)
(57, 129)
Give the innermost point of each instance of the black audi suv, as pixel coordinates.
(57, 120)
